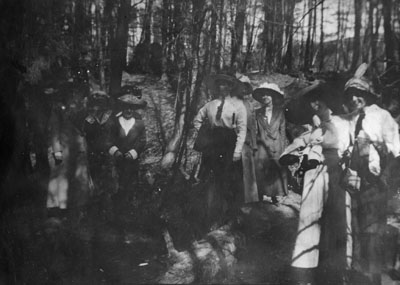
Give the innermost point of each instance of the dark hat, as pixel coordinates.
(269, 89)
(133, 101)
(131, 89)
(299, 111)
(248, 89)
(213, 81)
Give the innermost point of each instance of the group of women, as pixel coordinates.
(344, 156)
(241, 145)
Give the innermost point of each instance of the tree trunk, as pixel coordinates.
(221, 22)
(307, 52)
(118, 47)
(186, 96)
(250, 35)
(213, 37)
(237, 34)
(321, 39)
(78, 34)
(375, 36)
(288, 57)
(357, 33)
(389, 40)
(338, 40)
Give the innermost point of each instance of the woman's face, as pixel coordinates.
(266, 100)
(224, 89)
(127, 112)
(356, 103)
(319, 106)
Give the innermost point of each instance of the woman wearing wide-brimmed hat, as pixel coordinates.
(126, 141)
(222, 143)
(95, 127)
(271, 142)
(376, 145)
(321, 239)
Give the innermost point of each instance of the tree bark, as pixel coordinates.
(221, 22)
(321, 39)
(118, 48)
(237, 35)
(307, 52)
(250, 35)
(357, 34)
(185, 97)
(389, 40)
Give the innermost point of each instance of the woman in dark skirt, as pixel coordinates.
(227, 122)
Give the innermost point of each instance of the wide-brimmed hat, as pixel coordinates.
(269, 89)
(131, 100)
(131, 95)
(132, 90)
(247, 88)
(360, 85)
(213, 82)
(299, 110)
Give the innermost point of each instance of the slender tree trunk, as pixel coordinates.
(213, 36)
(357, 33)
(321, 39)
(389, 40)
(78, 34)
(307, 53)
(100, 43)
(250, 35)
(288, 55)
(375, 35)
(221, 22)
(237, 35)
(313, 36)
(164, 36)
(118, 48)
(338, 41)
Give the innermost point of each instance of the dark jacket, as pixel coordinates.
(135, 139)
(96, 133)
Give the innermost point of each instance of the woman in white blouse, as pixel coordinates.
(227, 122)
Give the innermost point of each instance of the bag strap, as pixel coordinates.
(348, 154)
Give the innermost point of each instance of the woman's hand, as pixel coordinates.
(316, 121)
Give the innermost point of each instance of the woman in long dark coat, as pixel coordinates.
(271, 142)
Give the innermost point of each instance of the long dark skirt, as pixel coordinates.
(227, 175)
(332, 260)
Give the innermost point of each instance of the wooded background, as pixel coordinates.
(46, 42)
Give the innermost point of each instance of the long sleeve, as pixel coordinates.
(201, 115)
(391, 135)
(241, 128)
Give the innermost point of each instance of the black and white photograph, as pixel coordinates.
(200, 142)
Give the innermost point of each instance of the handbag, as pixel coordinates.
(204, 139)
